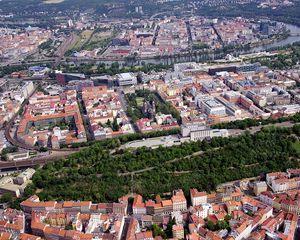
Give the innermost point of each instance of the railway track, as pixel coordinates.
(33, 161)
(19, 144)
(4, 166)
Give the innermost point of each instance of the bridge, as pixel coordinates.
(17, 165)
(294, 35)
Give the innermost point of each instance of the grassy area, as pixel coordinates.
(139, 101)
(296, 146)
(98, 36)
(89, 40)
(135, 103)
(99, 39)
(81, 39)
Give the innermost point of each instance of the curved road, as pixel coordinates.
(19, 144)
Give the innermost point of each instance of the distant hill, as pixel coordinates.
(125, 8)
(23, 5)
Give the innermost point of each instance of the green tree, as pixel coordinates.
(157, 231)
(115, 125)
(6, 198)
(210, 225)
(222, 224)
(227, 218)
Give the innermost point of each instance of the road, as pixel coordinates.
(19, 144)
(125, 228)
(9, 126)
(252, 130)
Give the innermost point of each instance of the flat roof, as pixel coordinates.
(125, 75)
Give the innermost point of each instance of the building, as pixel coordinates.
(126, 79)
(64, 78)
(138, 207)
(259, 187)
(17, 185)
(17, 156)
(78, 85)
(27, 89)
(178, 231)
(212, 107)
(179, 201)
(54, 119)
(24, 176)
(264, 28)
(199, 132)
(254, 67)
(267, 197)
(106, 80)
(198, 198)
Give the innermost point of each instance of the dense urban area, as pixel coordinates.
(149, 120)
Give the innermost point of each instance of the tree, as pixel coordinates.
(43, 149)
(222, 224)
(6, 198)
(115, 125)
(170, 225)
(210, 225)
(272, 149)
(227, 218)
(108, 123)
(68, 227)
(157, 231)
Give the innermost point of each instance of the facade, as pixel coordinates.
(179, 201)
(199, 132)
(64, 78)
(178, 231)
(198, 198)
(259, 187)
(212, 107)
(126, 79)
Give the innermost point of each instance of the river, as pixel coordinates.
(196, 56)
(294, 37)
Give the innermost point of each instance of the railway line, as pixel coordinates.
(23, 145)
(41, 160)
(16, 165)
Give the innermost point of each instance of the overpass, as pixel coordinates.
(17, 165)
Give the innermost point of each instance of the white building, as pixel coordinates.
(27, 89)
(204, 210)
(125, 79)
(199, 132)
(267, 198)
(279, 185)
(24, 176)
(212, 107)
(179, 201)
(243, 232)
(198, 198)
